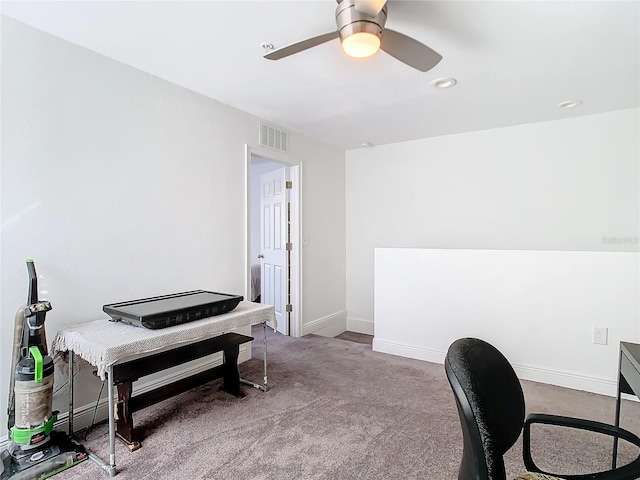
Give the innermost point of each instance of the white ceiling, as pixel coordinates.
(514, 60)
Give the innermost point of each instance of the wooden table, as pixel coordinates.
(106, 345)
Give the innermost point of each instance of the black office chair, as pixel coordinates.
(492, 414)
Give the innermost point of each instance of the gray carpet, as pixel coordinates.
(356, 337)
(336, 410)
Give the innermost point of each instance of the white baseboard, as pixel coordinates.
(328, 326)
(569, 380)
(360, 325)
(562, 379)
(417, 353)
(83, 415)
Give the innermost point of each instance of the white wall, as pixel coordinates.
(538, 307)
(563, 185)
(121, 185)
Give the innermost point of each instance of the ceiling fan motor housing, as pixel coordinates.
(351, 21)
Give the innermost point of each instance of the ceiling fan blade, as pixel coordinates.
(300, 46)
(370, 7)
(409, 50)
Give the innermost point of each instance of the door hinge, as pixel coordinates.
(289, 307)
(289, 246)
(288, 185)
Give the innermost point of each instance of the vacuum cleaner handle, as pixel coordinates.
(34, 315)
(33, 283)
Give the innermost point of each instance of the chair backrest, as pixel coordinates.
(490, 404)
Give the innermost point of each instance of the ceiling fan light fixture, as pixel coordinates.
(361, 44)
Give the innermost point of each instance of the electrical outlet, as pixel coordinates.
(600, 335)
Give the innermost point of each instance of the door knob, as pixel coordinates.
(260, 256)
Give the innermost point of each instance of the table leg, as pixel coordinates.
(112, 425)
(124, 420)
(111, 469)
(70, 424)
(264, 353)
(614, 457)
(230, 376)
(263, 387)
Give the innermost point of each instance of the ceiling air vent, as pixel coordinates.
(273, 138)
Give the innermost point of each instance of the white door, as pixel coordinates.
(273, 243)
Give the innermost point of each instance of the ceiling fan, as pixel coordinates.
(361, 31)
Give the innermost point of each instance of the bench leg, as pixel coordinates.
(231, 376)
(124, 419)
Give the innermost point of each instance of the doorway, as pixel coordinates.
(273, 236)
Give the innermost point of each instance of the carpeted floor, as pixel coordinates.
(356, 337)
(335, 410)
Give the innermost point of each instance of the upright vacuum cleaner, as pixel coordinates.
(35, 450)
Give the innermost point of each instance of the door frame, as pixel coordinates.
(295, 197)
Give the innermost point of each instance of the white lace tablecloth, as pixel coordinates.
(103, 343)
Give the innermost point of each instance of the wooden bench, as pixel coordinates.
(124, 374)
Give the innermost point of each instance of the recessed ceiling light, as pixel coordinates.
(444, 83)
(366, 144)
(569, 104)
